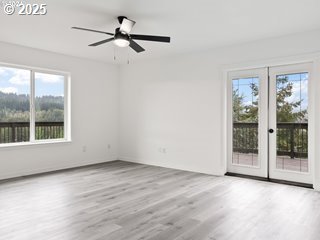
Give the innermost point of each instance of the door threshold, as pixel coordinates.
(297, 184)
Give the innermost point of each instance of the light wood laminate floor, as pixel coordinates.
(126, 201)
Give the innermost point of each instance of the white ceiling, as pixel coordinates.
(192, 25)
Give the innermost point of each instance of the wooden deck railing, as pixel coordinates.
(11, 132)
(292, 139)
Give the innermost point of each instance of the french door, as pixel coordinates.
(268, 123)
(248, 121)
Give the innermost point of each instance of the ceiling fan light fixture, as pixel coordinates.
(121, 39)
(121, 42)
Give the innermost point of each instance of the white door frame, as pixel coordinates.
(287, 175)
(314, 64)
(262, 169)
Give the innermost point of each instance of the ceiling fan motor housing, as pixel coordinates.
(120, 19)
(121, 35)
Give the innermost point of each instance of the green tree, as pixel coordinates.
(286, 113)
(238, 106)
(285, 109)
(243, 112)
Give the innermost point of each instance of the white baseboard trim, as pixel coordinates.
(316, 187)
(142, 161)
(52, 168)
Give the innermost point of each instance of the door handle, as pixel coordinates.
(271, 130)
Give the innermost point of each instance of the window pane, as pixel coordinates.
(49, 106)
(245, 121)
(15, 111)
(14, 105)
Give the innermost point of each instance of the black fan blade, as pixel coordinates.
(150, 38)
(91, 30)
(101, 42)
(127, 25)
(135, 46)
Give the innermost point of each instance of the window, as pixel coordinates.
(33, 105)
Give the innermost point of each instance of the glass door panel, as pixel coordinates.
(292, 122)
(247, 122)
(245, 97)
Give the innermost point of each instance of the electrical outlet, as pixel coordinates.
(84, 148)
(162, 150)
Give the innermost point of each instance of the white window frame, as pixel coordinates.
(67, 106)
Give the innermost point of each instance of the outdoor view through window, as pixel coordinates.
(245, 121)
(292, 121)
(18, 117)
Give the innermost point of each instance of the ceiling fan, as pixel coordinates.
(123, 38)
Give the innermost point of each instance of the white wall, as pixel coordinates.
(175, 103)
(94, 104)
(178, 103)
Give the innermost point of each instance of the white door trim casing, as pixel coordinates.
(314, 116)
(315, 150)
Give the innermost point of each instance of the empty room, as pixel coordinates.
(160, 120)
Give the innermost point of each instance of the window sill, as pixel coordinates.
(39, 142)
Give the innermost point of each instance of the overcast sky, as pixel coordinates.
(14, 80)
